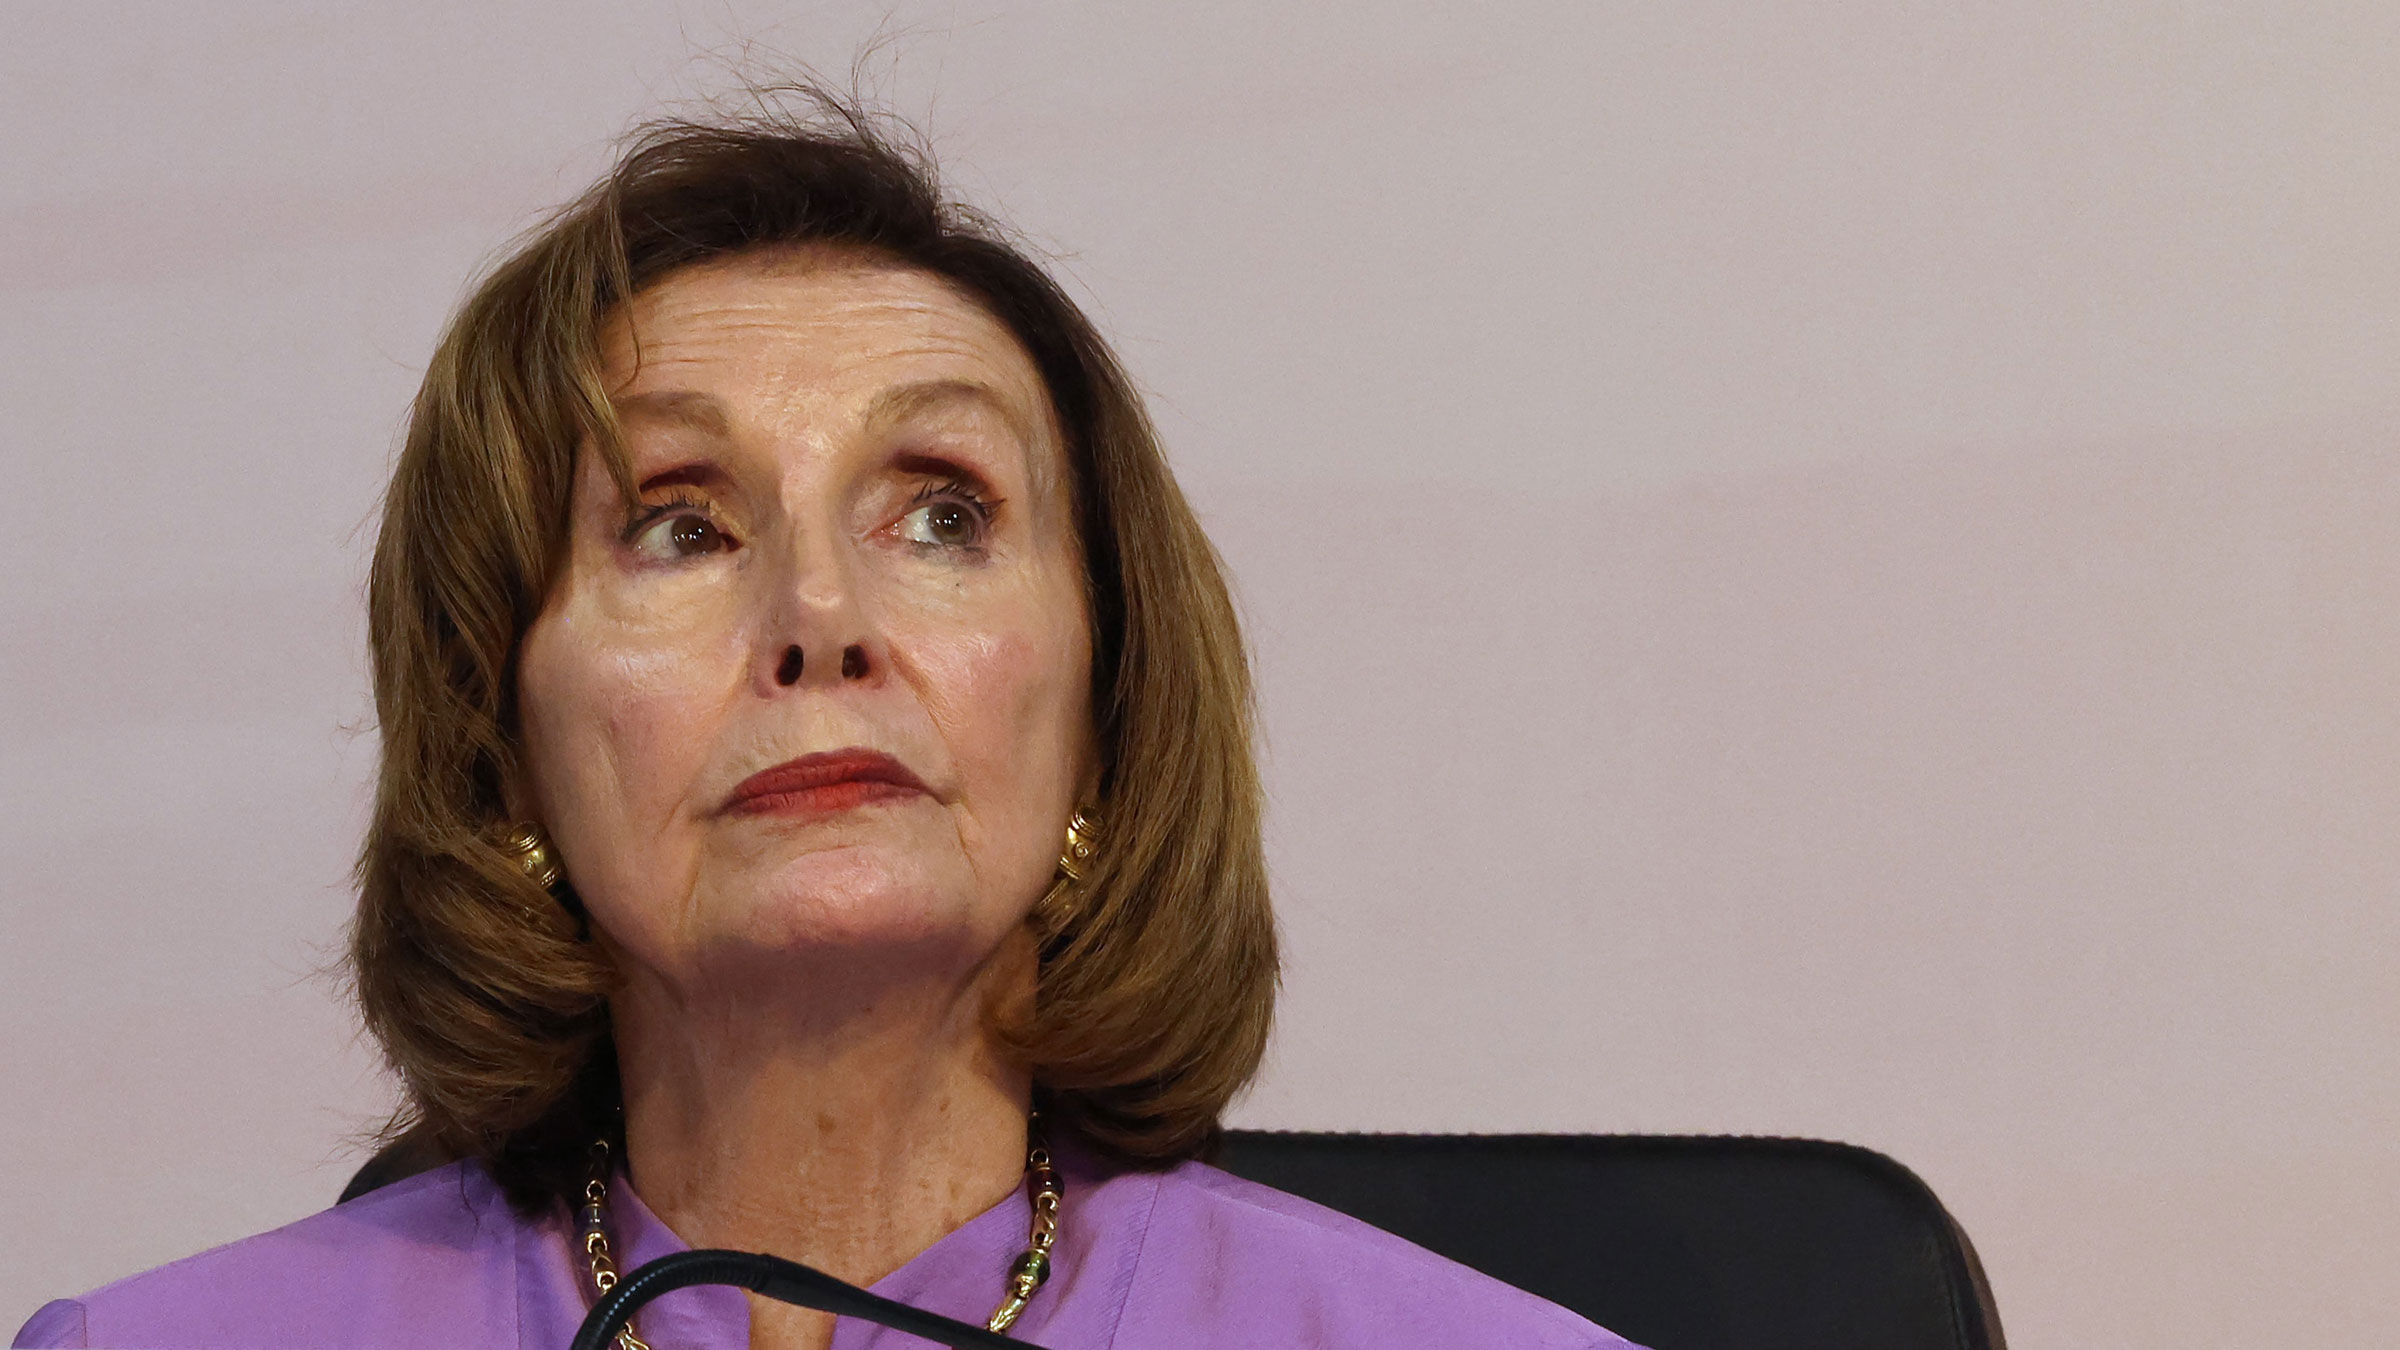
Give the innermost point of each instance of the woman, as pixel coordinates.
(816, 815)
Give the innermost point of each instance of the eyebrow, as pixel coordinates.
(903, 401)
(705, 413)
(689, 408)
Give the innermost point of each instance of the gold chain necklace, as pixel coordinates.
(1025, 1275)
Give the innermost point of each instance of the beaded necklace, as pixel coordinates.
(1025, 1275)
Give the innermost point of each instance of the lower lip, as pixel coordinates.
(816, 801)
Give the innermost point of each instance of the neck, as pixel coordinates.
(849, 1134)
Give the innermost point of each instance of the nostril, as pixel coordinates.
(788, 673)
(854, 662)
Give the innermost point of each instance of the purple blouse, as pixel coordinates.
(1190, 1257)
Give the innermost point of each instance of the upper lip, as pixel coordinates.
(826, 766)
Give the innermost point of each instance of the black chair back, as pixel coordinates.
(1675, 1242)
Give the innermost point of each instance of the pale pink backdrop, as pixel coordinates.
(1822, 570)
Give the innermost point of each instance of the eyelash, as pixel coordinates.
(651, 513)
(957, 489)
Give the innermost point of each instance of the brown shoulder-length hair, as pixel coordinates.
(1155, 989)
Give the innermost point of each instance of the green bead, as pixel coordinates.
(1032, 1268)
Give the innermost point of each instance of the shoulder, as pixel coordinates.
(1272, 1268)
(353, 1275)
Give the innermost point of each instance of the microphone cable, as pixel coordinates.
(784, 1281)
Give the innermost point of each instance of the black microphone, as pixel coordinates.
(785, 1281)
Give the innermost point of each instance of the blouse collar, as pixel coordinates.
(961, 1275)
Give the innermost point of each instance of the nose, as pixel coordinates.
(818, 629)
(795, 663)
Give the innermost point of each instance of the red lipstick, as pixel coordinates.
(832, 780)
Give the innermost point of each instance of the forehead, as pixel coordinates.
(813, 325)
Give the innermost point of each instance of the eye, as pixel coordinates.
(674, 530)
(950, 524)
(948, 515)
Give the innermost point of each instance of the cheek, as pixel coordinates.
(1014, 681)
(1011, 703)
(984, 685)
(619, 709)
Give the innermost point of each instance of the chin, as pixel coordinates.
(856, 899)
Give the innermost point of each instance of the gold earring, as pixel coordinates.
(1083, 833)
(538, 860)
(534, 855)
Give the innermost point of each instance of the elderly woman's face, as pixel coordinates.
(827, 687)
